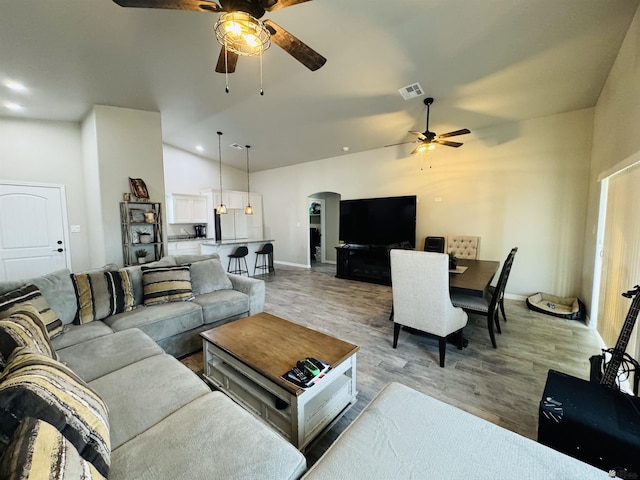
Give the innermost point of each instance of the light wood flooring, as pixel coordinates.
(502, 385)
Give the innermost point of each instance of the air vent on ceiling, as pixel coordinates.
(237, 146)
(411, 91)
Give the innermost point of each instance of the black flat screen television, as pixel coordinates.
(378, 221)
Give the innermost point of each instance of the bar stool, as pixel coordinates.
(265, 254)
(238, 256)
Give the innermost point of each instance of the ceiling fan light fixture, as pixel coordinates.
(242, 33)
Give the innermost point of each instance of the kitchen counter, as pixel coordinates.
(215, 243)
(225, 247)
(189, 239)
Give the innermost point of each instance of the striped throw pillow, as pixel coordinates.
(102, 294)
(35, 385)
(24, 328)
(166, 284)
(38, 450)
(31, 294)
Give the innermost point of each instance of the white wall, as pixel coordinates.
(128, 143)
(49, 152)
(615, 135)
(520, 184)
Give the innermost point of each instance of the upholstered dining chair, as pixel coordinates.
(488, 304)
(464, 246)
(420, 288)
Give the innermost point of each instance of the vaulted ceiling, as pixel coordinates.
(486, 63)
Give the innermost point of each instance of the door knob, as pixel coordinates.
(60, 250)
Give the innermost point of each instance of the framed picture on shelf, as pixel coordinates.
(136, 215)
(139, 188)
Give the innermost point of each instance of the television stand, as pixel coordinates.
(367, 263)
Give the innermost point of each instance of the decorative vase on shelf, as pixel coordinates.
(144, 237)
(141, 255)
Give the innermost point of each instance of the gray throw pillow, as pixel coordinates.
(208, 276)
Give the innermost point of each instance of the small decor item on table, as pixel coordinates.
(126, 197)
(453, 261)
(139, 188)
(141, 255)
(150, 217)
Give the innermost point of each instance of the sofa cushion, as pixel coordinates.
(57, 288)
(222, 304)
(155, 387)
(31, 294)
(166, 284)
(34, 385)
(38, 450)
(159, 321)
(74, 334)
(100, 295)
(193, 258)
(208, 276)
(135, 275)
(24, 328)
(95, 358)
(229, 443)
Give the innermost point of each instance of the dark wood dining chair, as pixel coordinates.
(488, 305)
(434, 244)
(492, 290)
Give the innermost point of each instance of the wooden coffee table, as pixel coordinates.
(247, 358)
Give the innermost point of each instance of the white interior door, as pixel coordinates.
(33, 226)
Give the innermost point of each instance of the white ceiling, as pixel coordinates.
(486, 62)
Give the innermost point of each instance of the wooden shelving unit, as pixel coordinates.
(134, 218)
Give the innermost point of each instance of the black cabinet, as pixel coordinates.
(368, 263)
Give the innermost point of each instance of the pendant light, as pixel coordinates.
(221, 208)
(248, 210)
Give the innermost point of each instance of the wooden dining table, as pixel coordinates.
(475, 279)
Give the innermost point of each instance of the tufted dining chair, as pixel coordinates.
(464, 246)
(420, 289)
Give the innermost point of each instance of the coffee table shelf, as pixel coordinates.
(304, 416)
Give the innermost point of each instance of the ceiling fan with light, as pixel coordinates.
(428, 140)
(240, 30)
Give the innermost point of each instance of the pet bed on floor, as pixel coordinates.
(563, 307)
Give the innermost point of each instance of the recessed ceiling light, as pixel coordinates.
(200, 148)
(345, 149)
(14, 107)
(15, 86)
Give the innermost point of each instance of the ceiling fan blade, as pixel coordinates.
(463, 131)
(270, 5)
(448, 143)
(232, 60)
(420, 135)
(294, 47)
(196, 5)
(401, 143)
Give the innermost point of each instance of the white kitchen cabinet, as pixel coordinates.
(233, 224)
(231, 199)
(186, 208)
(184, 247)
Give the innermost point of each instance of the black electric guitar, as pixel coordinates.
(617, 355)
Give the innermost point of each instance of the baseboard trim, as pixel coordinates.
(290, 264)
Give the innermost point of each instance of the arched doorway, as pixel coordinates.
(324, 223)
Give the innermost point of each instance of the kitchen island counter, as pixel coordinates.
(225, 247)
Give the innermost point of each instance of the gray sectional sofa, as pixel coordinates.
(173, 325)
(164, 421)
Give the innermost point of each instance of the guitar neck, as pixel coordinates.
(611, 371)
